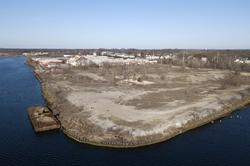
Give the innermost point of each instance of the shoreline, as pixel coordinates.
(227, 110)
(193, 126)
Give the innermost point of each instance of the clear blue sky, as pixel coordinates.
(214, 24)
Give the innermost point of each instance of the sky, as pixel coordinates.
(147, 24)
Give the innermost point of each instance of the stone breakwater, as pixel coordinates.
(122, 115)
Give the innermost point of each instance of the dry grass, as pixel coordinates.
(131, 71)
(232, 79)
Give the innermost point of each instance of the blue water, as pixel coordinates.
(225, 143)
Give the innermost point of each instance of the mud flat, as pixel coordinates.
(42, 119)
(137, 105)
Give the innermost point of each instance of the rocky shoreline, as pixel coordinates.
(239, 99)
(192, 125)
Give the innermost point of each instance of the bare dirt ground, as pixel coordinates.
(136, 105)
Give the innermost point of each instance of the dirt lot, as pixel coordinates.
(135, 105)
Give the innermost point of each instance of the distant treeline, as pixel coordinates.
(216, 59)
(221, 59)
(157, 52)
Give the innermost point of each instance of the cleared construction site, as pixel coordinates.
(137, 104)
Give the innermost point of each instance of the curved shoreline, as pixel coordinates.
(194, 125)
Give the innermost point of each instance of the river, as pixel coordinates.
(226, 142)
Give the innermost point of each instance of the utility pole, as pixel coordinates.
(217, 60)
(183, 58)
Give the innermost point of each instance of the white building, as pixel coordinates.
(204, 59)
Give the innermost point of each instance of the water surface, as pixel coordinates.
(224, 143)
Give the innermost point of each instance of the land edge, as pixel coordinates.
(198, 124)
(194, 125)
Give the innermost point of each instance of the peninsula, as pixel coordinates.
(135, 99)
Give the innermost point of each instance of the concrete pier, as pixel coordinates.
(42, 119)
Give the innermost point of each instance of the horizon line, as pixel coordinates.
(36, 48)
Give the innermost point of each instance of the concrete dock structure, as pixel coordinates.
(42, 119)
